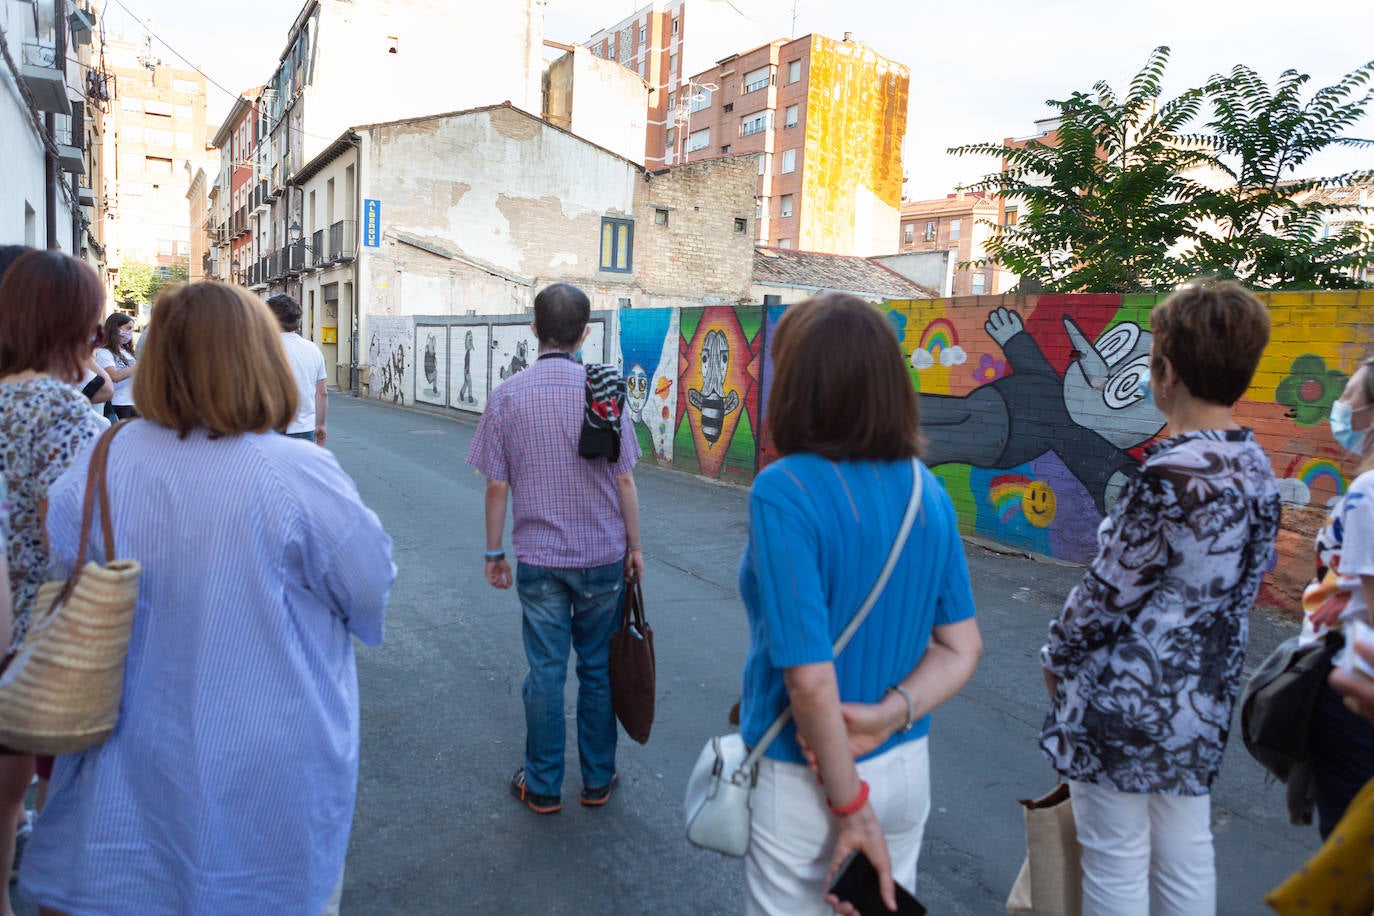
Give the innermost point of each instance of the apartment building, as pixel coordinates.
(665, 42)
(828, 118)
(347, 63)
(159, 140)
(51, 104)
(230, 231)
(959, 225)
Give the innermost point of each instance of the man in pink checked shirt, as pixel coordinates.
(576, 536)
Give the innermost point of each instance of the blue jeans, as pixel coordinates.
(563, 608)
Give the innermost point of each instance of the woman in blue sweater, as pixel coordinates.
(843, 414)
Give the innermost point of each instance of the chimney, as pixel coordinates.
(848, 36)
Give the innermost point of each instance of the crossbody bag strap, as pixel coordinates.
(893, 555)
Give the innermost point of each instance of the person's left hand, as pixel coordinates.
(1357, 688)
(861, 830)
(319, 435)
(1051, 681)
(498, 573)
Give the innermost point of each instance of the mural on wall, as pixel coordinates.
(387, 356)
(719, 372)
(469, 349)
(649, 361)
(431, 370)
(515, 348)
(1089, 412)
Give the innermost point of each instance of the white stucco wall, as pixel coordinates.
(609, 105)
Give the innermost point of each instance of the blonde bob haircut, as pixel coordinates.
(214, 360)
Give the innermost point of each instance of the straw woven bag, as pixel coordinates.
(60, 690)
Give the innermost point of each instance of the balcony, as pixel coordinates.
(343, 240)
(293, 258)
(85, 196)
(317, 252)
(45, 77)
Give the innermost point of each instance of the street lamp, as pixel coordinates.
(234, 269)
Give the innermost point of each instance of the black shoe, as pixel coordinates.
(539, 804)
(595, 798)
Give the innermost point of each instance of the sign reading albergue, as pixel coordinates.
(372, 223)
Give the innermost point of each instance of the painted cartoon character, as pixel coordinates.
(518, 362)
(715, 405)
(1089, 416)
(432, 365)
(637, 392)
(465, 393)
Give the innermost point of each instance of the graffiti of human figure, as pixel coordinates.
(712, 400)
(465, 393)
(432, 366)
(518, 362)
(1089, 416)
(637, 392)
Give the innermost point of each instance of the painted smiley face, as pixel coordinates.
(1039, 504)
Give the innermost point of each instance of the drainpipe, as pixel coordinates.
(50, 172)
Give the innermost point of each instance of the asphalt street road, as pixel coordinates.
(443, 728)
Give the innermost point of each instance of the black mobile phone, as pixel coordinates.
(857, 885)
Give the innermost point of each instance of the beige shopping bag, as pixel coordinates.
(1051, 878)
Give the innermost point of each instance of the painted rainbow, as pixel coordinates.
(1006, 492)
(939, 336)
(1317, 469)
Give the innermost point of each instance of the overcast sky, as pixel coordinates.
(979, 72)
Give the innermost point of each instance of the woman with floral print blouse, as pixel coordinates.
(1144, 663)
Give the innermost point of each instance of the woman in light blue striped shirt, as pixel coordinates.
(228, 784)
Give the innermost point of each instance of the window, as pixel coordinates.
(954, 230)
(784, 243)
(166, 247)
(184, 112)
(672, 136)
(980, 282)
(162, 109)
(794, 71)
(641, 68)
(617, 237)
(672, 63)
(183, 140)
(725, 150)
(930, 232)
(753, 124)
(791, 115)
(131, 134)
(728, 107)
(155, 137)
(698, 139)
(909, 233)
(700, 99)
(1011, 217)
(758, 79)
(393, 44)
(741, 225)
(643, 34)
(762, 207)
(190, 86)
(128, 104)
(764, 161)
(624, 303)
(660, 217)
(183, 249)
(672, 100)
(155, 166)
(674, 26)
(789, 160)
(785, 206)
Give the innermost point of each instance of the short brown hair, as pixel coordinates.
(561, 313)
(50, 305)
(214, 359)
(840, 386)
(1214, 333)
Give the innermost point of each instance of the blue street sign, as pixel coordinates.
(372, 223)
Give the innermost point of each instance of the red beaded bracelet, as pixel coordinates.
(853, 807)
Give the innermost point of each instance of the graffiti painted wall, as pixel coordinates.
(390, 356)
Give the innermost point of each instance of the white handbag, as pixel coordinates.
(717, 803)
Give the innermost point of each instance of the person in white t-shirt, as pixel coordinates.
(307, 365)
(116, 357)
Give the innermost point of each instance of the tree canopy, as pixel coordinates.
(1134, 193)
(139, 282)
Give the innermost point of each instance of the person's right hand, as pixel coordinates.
(868, 726)
(1355, 686)
(861, 830)
(634, 566)
(498, 574)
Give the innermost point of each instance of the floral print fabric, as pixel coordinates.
(1344, 553)
(43, 424)
(1150, 644)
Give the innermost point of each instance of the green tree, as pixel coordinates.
(1130, 195)
(1273, 230)
(140, 282)
(1105, 198)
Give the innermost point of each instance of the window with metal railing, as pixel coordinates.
(343, 242)
(758, 79)
(755, 123)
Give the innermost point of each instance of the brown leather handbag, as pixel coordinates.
(632, 668)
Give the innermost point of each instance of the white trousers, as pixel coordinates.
(793, 833)
(1145, 854)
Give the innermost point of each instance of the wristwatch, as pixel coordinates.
(495, 557)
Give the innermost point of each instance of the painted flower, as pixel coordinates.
(1309, 390)
(990, 369)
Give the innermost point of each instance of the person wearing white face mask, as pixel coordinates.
(1343, 592)
(116, 357)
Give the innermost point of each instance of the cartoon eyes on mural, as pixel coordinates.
(1123, 387)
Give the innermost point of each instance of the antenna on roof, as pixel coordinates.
(795, 4)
